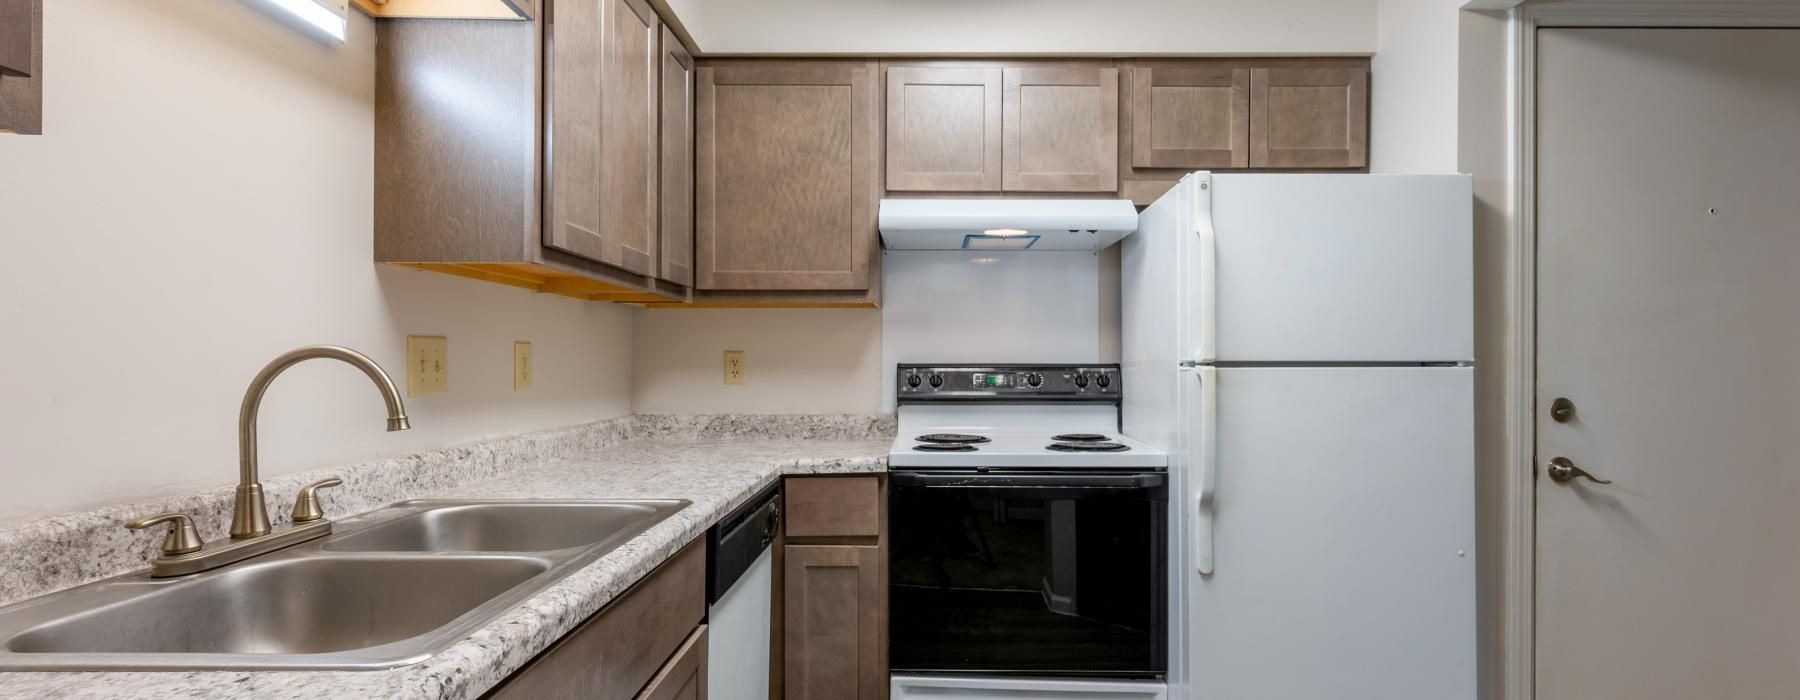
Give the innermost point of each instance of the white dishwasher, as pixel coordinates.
(739, 592)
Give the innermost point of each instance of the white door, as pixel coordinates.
(1342, 533)
(1341, 268)
(1668, 311)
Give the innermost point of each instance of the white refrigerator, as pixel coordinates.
(1302, 346)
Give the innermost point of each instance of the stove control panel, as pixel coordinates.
(919, 382)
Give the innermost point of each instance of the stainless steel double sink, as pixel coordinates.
(390, 588)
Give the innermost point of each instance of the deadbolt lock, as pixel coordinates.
(1562, 410)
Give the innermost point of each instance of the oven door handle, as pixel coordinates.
(1003, 480)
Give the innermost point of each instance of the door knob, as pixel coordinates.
(1563, 471)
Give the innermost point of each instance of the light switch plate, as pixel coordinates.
(735, 369)
(427, 365)
(522, 369)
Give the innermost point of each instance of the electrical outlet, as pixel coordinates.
(427, 365)
(521, 365)
(735, 370)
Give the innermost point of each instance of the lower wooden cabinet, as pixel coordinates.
(684, 677)
(834, 634)
(649, 643)
(830, 623)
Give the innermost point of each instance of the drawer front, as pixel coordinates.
(618, 650)
(833, 506)
(684, 677)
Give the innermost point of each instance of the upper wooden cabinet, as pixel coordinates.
(1061, 129)
(464, 176)
(676, 194)
(787, 170)
(605, 66)
(1188, 115)
(1304, 117)
(943, 129)
(18, 36)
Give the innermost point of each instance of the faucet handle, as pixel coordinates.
(306, 505)
(182, 538)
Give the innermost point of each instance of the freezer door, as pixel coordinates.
(1342, 536)
(1337, 268)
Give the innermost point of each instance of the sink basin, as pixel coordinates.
(297, 606)
(514, 526)
(392, 587)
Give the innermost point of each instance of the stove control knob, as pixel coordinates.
(1081, 381)
(912, 380)
(937, 380)
(1034, 379)
(1103, 380)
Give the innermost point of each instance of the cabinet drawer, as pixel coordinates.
(619, 649)
(684, 677)
(834, 506)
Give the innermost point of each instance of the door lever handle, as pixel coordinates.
(1562, 470)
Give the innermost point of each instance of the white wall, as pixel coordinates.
(797, 360)
(959, 307)
(1037, 26)
(199, 203)
(1413, 87)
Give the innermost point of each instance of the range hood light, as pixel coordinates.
(1005, 232)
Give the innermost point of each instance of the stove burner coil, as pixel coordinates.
(952, 439)
(945, 447)
(1087, 447)
(1080, 437)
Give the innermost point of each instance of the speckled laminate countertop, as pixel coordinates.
(716, 474)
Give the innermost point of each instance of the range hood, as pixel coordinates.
(1005, 224)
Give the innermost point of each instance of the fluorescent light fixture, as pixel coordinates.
(316, 15)
(1005, 232)
(981, 241)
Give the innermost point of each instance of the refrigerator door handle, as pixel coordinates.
(1204, 275)
(1206, 419)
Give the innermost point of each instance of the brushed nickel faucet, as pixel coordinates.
(182, 550)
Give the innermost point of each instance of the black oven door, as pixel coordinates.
(1030, 572)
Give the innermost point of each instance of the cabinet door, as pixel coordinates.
(1189, 116)
(787, 175)
(18, 36)
(833, 609)
(603, 113)
(618, 651)
(684, 677)
(943, 129)
(1061, 129)
(1309, 118)
(676, 195)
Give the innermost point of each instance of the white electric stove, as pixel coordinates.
(1028, 538)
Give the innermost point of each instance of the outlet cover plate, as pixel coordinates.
(522, 369)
